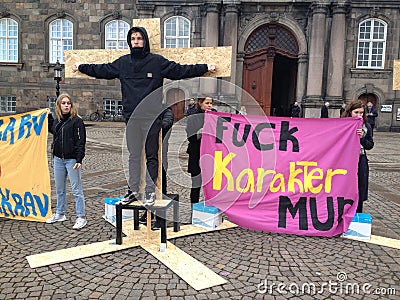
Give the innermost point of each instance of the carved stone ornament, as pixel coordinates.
(4, 13)
(374, 12)
(70, 1)
(274, 16)
(61, 14)
(178, 10)
(116, 14)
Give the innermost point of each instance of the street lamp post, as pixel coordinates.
(57, 76)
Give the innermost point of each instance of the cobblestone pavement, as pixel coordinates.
(249, 260)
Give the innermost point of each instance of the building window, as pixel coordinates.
(371, 44)
(61, 38)
(177, 33)
(116, 32)
(8, 104)
(8, 40)
(112, 105)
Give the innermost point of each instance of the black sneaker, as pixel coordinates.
(143, 218)
(129, 198)
(156, 225)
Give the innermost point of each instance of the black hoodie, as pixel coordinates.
(141, 73)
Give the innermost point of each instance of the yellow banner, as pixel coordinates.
(24, 172)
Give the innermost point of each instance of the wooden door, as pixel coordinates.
(176, 99)
(257, 80)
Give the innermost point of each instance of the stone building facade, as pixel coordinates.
(283, 51)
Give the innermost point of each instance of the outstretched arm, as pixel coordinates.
(175, 71)
(100, 71)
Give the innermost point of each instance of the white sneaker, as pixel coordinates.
(56, 218)
(80, 223)
(150, 199)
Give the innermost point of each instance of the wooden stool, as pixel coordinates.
(160, 208)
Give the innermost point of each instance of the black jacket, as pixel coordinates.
(167, 119)
(324, 112)
(367, 140)
(141, 73)
(371, 119)
(195, 122)
(69, 138)
(295, 112)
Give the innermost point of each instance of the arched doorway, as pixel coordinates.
(270, 68)
(176, 99)
(368, 97)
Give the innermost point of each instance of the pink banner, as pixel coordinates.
(287, 175)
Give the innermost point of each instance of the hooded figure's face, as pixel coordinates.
(137, 40)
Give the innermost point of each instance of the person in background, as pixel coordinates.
(295, 110)
(68, 149)
(324, 110)
(342, 109)
(194, 127)
(141, 74)
(356, 108)
(191, 107)
(371, 115)
(166, 125)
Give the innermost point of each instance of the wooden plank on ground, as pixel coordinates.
(186, 267)
(79, 252)
(379, 240)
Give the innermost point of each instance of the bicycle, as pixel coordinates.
(118, 117)
(106, 115)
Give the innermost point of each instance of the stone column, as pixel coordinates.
(231, 38)
(301, 77)
(334, 91)
(316, 60)
(212, 25)
(211, 40)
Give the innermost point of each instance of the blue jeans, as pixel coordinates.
(62, 168)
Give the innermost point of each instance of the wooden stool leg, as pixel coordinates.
(176, 213)
(163, 219)
(148, 224)
(135, 219)
(118, 225)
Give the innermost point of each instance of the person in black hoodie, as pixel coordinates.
(68, 149)
(141, 74)
(194, 128)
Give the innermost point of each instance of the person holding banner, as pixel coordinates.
(68, 149)
(356, 108)
(194, 126)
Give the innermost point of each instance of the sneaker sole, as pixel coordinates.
(80, 227)
(55, 221)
